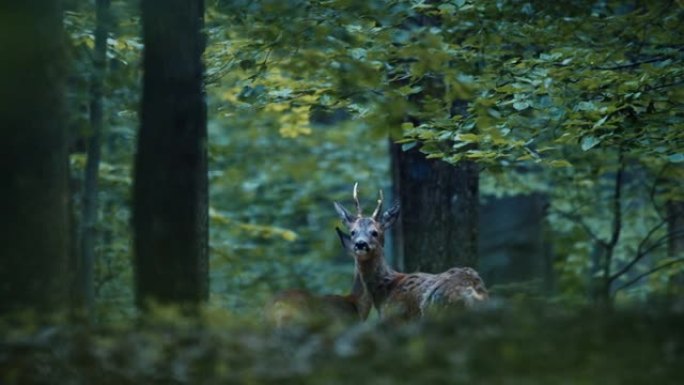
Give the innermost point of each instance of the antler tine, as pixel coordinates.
(356, 199)
(378, 209)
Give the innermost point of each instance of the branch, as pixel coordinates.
(617, 218)
(617, 201)
(666, 85)
(653, 270)
(640, 251)
(662, 241)
(634, 64)
(653, 190)
(572, 217)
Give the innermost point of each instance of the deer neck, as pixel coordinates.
(362, 298)
(376, 275)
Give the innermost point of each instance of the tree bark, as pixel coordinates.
(675, 244)
(34, 255)
(675, 227)
(438, 226)
(90, 185)
(170, 189)
(439, 211)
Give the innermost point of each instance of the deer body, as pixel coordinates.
(411, 295)
(298, 306)
(406, 295)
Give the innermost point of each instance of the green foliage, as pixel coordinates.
(302, 95)
(527, 346)
(545, 94)
(277, 161)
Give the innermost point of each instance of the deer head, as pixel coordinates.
(366, 236)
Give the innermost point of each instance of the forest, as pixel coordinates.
(339, 191)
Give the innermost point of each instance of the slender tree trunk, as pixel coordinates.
(675, 227)
(439, 211)
(90, 188)
(603, 294)
(675, 244)
(170, 193)
(34, 255)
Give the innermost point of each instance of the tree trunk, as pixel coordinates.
(35, 221)
(514, 246)
(90, 186)
(675, 227)
(170, 192)
(438, 226)
(675, 244)
(439, 211)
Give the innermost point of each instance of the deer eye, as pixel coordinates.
(353, 233)
(374, 233)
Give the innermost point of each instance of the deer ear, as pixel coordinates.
(390, 216)
(346, 216)
(344, 238)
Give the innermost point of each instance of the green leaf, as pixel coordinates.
(469, 137)
(408, 146)
(437, 155)
(676, 158)
(521, 105)
(406, 126)
(560, 163)
(600, 122)
(447, 9)
(588, 142)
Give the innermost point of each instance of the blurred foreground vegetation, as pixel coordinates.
(526, 344)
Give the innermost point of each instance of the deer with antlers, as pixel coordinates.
(394, 293)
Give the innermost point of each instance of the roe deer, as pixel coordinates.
(297, 306)
(404, 295)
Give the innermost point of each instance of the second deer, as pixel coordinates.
(301, 307)
(400, 294)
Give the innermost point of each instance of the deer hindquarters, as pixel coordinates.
(456, 286)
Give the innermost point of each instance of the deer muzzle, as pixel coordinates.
(361, 245)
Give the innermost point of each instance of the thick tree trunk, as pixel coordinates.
(90, 187)
(438, 226)
(34, 255)
(439, 211)
(170, 193)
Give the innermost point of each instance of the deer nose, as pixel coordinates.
(361, 245)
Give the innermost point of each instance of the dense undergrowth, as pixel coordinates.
(537, 344)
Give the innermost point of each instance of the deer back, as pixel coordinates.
(298, 306)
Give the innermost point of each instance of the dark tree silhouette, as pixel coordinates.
(34, 256)
(170, 193)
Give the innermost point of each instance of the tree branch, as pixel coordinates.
(634, 64)
(617, 218)
(654, 188)
(649, 272)
(576, 219)
(640, 252)
(662, 241)
(661, 86)
(617, 201)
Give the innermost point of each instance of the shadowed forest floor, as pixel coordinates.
(525, 345)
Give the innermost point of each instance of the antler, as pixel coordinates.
(378, 209)
(356, 199)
